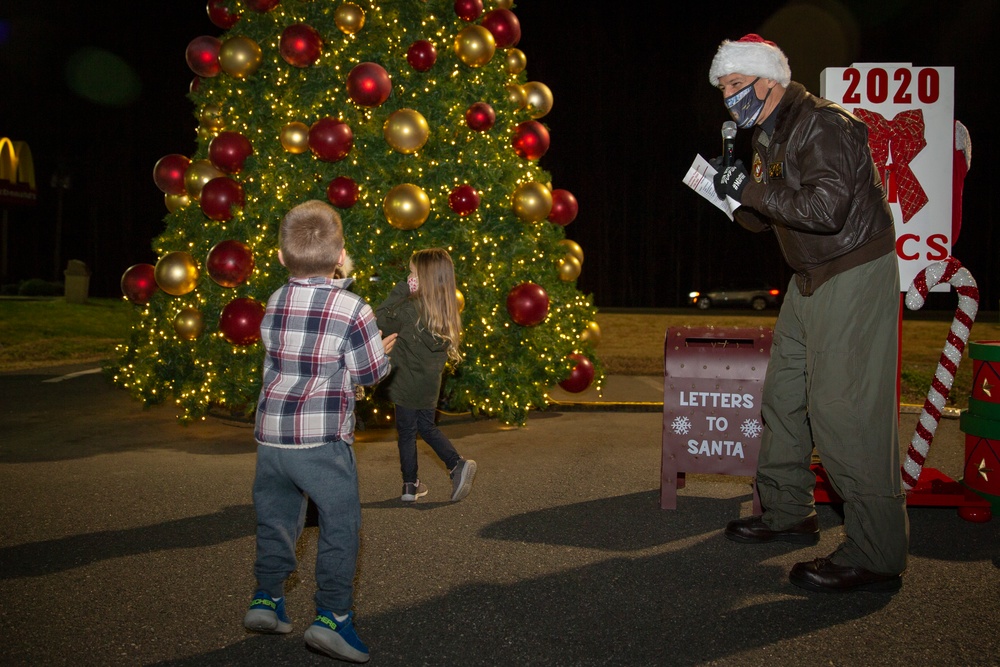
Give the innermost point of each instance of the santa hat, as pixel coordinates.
(751, 55)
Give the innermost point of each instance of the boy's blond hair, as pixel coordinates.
(311, 239)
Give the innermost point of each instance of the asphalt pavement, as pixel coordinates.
(128, 539)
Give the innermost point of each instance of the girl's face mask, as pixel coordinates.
(744, 105)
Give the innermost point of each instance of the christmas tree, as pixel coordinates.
(416, 119)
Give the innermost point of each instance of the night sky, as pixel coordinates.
(632, 108)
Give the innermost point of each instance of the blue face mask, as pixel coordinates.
(744, 105)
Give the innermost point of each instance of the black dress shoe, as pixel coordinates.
(752, 529)
(824, 576)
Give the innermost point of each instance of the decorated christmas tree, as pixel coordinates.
(417, 121)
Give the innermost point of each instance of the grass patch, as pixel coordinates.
(44, 332)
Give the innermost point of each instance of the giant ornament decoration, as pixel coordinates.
(532, 201)
(572, 248)
(202, 55)
(530, 140)
(300, 45)
(564, 207)
(262, 6)
(528, 304)
(538, 98)
(330, 139)
(342, 192)
(581, 376)
(197, 175)
(176, 273)
(189, 323)
(569, 268)
(175, 203)
(421, 55)
(211, 118)
(516, 61)
(219, 14)
(229, 263)
(591, 334)
(474, 45)
(480, 116)
(220, 196)
(349, 17)
(294, 137)
(463, 200)
(468, 10)
(168, 173)
(228, 151)
(504, 26)
(406, 206)
(240, 321)
(406, 131)
(240, 56)
(368, 84)
(139, 283)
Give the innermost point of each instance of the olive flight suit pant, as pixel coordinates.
(831, 383)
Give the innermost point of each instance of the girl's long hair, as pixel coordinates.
(437, 303)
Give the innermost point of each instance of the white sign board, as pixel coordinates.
(910, 112)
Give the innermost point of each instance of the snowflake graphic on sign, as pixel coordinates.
(681, 425)
(751, 428)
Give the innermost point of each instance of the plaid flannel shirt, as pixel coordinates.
(319, 341)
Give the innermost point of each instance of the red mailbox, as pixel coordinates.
(712, 388)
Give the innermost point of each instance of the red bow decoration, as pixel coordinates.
(904, 137)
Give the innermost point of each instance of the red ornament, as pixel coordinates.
(368, 84)
(228, 151)
(139, 283)
(342, 192)
(464, 200)
(262, 6)
(230, 263)
(194, 85)
(480, 116)
(240, 321)
(300, 45)
(531, 140)
(581, 376)
(528, 304)
(468, 10)
(564, 207)
(202, 55)
(330, 139)
(168, 174)
(421, 55)
(505, 27)
(219, 196)
(219, 14)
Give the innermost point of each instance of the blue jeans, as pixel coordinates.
(285, 481)
(409, 422)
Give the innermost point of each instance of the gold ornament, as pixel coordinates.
(591, 334)
(569, 268)
(474, 45)
(406, 131)
(516, 61)
(504, 4)
(516, 96)
(573, 248)
(240, 56)
(176, 202)
(189, 323)
(538, 98)
(206, 135)
(406, 206)
(532, 201)
(198, 173)
(295, 137)
(211, 117)
(349, 17)
(176, 273)
(460, 298)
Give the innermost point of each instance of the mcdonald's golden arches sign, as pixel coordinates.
(17, 174)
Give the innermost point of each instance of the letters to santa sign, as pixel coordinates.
(910, 113)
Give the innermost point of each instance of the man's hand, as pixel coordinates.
(730, 181)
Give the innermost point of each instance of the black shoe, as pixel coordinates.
(753, 530)
(824, 576)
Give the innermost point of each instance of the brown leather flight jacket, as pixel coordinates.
(815, 185)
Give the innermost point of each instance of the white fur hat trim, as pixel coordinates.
(751, 55)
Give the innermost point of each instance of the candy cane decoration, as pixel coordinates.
(949, 270)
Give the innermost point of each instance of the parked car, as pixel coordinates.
(757, 298)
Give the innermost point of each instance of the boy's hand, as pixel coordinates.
(388, 342)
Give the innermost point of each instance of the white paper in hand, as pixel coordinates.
(700, 178)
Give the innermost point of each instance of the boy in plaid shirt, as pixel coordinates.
(319, 339)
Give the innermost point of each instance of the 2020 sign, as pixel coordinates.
(877, 86)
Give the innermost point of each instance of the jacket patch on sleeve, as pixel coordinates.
(758, 168)
(776, 170)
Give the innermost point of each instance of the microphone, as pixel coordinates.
(728, 135)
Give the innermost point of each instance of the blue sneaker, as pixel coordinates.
(337, 639)
(267, 615)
